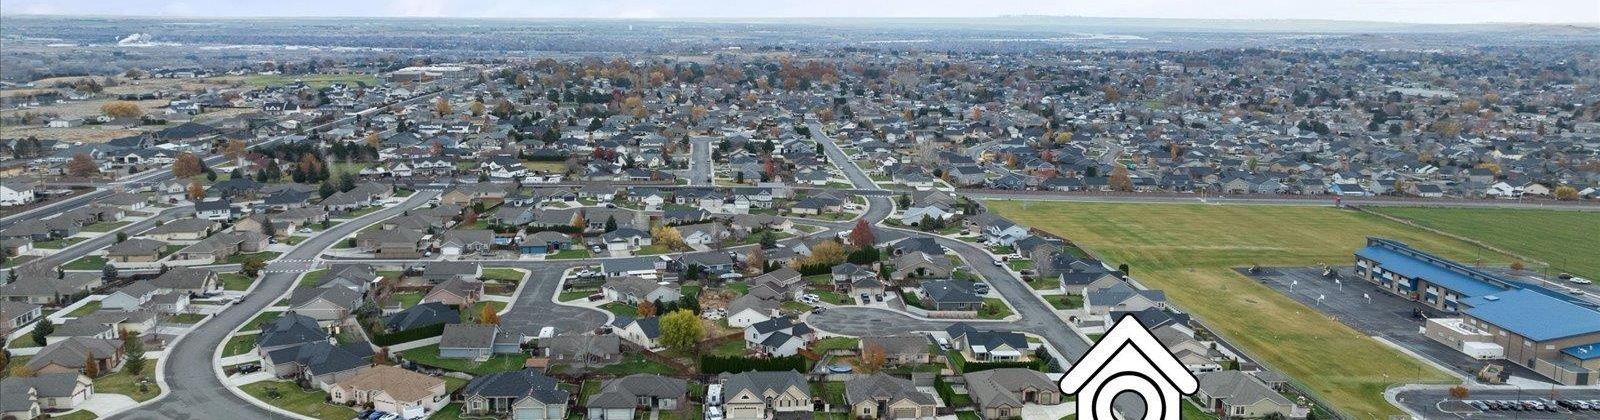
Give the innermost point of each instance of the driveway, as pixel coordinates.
(103, 403)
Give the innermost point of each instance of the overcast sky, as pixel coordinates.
(1425, 11)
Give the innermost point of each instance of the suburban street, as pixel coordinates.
(91, 245)
(700, 166)
(193, 389)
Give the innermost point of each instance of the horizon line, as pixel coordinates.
(689, 18)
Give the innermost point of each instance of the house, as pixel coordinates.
(586, 350)
(325, 304)
(620, 267)
(900, 349)
(187, 280)
(477, 341)
(13, 193)
(258, 223)
(391, 243)
(750, 309)
(1122, 297)
(619, 398)
(136, 250)
(357, 277)
(645, 332)
(633, 290)
(881, 396)
(439, 271)
(216, 210)
(917, 264)
(131, 297)
(14, 315)
(786, 281)
(755, 395)
(459, 291)
(318, 363)
(186, 230)
(950, 296)
(1196, 356)
(522, 395)
(457, 242)
(423, 315)
(1002, 393)
(845, 275)
(54, 392)
(1238, 395)
(46, 289)
(72, 354)
(1001, 231)
(545, 242)
(778, 337)
(989, 346)
(394, 390)
(289, 330)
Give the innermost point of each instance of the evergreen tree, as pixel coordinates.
(42, 330)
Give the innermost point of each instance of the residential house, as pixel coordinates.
(758, 395)
(325, 304)
(520, 395)
(131, 297)
(392, 389)
(1122, 297)
(786, 281)
(477, 341)
(135, 251)
(778, 337)
(950, 296)
(644, 332)
(423, 315)
(633, 290)
(1002, 393)
(881, 396)
(215, 210)
(619, 398)
(54, 392)
(907, 349)
(459, 291)
(750, 309)
(187, 280)
(318, 363)
(71, 355)
(1238, 395)
(989, 346)
(582, 350)
(185, 230)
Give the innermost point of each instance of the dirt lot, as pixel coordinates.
(91, 108)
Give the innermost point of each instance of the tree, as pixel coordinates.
(1458, 392)
(861, 236)
(373, 140)
(381, 357)
(611, 223)
(22, 372)
(487, 316)
(646, 309)
(42, 330)
(1516, 266)
(476, 108)
(235, 149)
(442, 107)
(82, 165)
(327, 189)
(90, 368)
(681, 331)
(197, 192)
(872, 359)
(1120, 180)
(187, 165)
(1566, 193)
(668, 237)
(252, 266)
(132, 353)
(122, 237)
(1123, 268)
(121, 109)
(827, 253)
(755, 262)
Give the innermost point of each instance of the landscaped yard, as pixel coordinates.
(239, 344)
(569, 254)
(994, 308)
(503, 275)
(58, 243)
(632, 364)
(1189, 252)
(183, 318)
(89, 262)
(575, 295)
(1554, 237)
(87, 308)
(264, 318)
(832, 343)
(1045, 283)
(429, 356)
(76, 415)
(235, 281)
(407, 299)
(290, 397)
(263, 256)
(1065, 301)
(126, 383)
(652, 249)
(103, 227)
(311, 278)
(621, 309)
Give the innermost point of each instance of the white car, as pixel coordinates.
(1580, 280)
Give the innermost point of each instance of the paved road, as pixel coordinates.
(194, 391)
(534, 309)
(700, 165)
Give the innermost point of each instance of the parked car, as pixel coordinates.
(1579, 280)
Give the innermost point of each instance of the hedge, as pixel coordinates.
(717, 364)
(410, 335)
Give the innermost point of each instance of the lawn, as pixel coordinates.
(76, 415)
(834, 297)
(552, 167)
(1046, 283)
(1188, 251)
(574, 295)
(291, 398)
(91, 262)
(632, 364)
(126, 383)
(503, 275)
(263, 319)
(733, 348)
(103, 227)
(184, 318)
(58, 243)
(239, 344)
(477, 308)
(407, 299)
(569, 254)
(1019, 265)
(1065, 301)
(315, 81)
(1554, 237)
(621, 309)
(87, 308)
(429, 356)
(994, 308)
(263, 256)
(311, 278)
(831, 343)
(235, 281)
(652, 249)
(831, 392)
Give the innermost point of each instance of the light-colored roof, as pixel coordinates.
(403, 385)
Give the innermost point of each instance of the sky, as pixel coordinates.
(1414, 11)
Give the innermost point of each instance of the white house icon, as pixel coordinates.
(1129, 359)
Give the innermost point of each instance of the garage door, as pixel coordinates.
(528, 414)
(905, 413)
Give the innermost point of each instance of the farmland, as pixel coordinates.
(1189, 250)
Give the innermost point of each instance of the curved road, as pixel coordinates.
(194, 392)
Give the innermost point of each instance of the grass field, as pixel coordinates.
(316, 81)
(290, 397)
(1189, 250)
(429, 355)
(1564, 239)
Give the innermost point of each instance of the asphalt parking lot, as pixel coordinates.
(1376, 313)
(1436, 403)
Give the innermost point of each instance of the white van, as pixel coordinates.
(713, 396)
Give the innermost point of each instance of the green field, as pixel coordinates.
(311, 404)
(1563, 239)
(1189, 250)
(315, 81)
(429, 355)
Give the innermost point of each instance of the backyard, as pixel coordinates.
(1189, 252)
(290, 397)
(429, 356)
